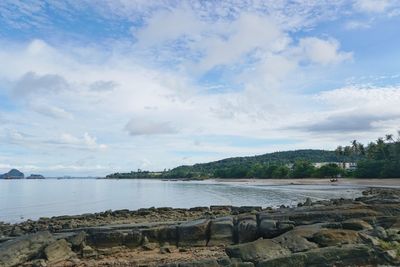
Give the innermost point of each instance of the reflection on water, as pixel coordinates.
(31, 199)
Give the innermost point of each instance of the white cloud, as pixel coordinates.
(51, 111)
(32, 83)
(147, 126)
(103, 86)
(87, 141)
(356, 25)
(373, 6)
(322, 51)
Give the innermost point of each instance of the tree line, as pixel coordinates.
(378, 159)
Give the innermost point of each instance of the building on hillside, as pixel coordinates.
(348, 166)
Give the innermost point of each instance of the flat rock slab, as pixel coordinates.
(194, 233)
(258, 250)
(347, 255)
(22, 249)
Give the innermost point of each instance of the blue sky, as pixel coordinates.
(93, 87)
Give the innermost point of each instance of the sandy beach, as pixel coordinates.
(394, 182)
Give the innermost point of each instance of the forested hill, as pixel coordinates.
(283, 157)
(267, 165)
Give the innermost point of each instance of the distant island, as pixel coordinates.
(16, 174)
(12, 174)
(379, 159)
(35, 176)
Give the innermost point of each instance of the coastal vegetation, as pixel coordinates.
(378, 159)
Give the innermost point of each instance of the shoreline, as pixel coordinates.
(373, 182)
(360, 232)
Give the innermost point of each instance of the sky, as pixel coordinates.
(93, 87)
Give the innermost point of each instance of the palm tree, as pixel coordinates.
(389, 138)
(381, 146)
(354, 147)
(339, 151)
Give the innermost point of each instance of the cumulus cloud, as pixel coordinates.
(32, 83)
(86, 141)
(322, 51)
(356, 25)
(372, 5)
(103, 86)
(51, 111)
(147, 126)
(350, 122)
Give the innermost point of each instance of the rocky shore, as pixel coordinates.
(340, 232)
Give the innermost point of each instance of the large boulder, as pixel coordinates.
(22, 249)
(132, 239)
(58, 251)
(201, 263)
(333, 237)
(246, 228)
(105, 239)
(356, 224)
(194, 233)
(270, 228)
(347, 255)
(161, 234)
(221, 231)
(258, 250)
(295, 242)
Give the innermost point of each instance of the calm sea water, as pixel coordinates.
(31, 199)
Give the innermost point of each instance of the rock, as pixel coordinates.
(347, 255)
(22, 249)
(58, 251)
(243, 264)
(270, 228)
(225, 261)
(165, 249)
(161, 233)
(201, 263)
(308, 202)
(247, 229)
(379, 232)
(194, 233)
(105, 239)
(132, 239)
(38, 263)
(77, 240)
(148, 245)
(356, 224)
(221, 231)
(88, 252)
(333, 237)
(295, 242)
(392, 256)
(257, 250)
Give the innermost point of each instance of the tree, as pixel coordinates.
(302, 169)
(330, 170)
(281, 172)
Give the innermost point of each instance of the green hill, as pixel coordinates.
(240, 166)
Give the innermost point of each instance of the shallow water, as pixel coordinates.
(32, 199)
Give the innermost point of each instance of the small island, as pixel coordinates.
(13, 174)
(35, 176)
(16, 174)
